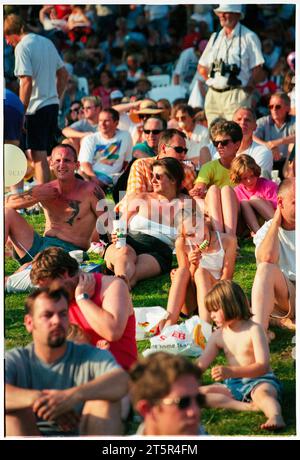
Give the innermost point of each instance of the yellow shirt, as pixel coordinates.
(213, 173)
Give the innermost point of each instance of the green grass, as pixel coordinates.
(155, 292)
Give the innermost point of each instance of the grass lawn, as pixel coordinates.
(155, 292)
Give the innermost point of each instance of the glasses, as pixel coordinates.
(159, 176)
(153, 131)
(75, 110)
(223, 143)
(183, 402)
(178, 148)
(89, 107)
(275, 107)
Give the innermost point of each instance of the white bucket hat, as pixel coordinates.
(230, 9)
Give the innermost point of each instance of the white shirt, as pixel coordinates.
(287, 249)
(186, 65)
(198, 139)
(37, 57)
(250, 50)
(262, 156)
(106, 155)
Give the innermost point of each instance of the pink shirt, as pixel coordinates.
(265, 189)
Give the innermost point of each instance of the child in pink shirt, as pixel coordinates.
(257, 196)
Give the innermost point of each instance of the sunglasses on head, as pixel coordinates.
(276, 106)
(184, 401)
(153, 131)
(223, 143)
(178, 148)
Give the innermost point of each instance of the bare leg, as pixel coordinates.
(122, 261)
(41, 167)
(214, 206)
(269, 284)
(204, 282)
(101, 418)
(265, 398)
(218, 396)
(19, 231)
(249, 216)
(177, 294)
(21, 423)
(146, 267)
(230, 209)
(263, 207)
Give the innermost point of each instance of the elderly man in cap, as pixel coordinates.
(230, 64)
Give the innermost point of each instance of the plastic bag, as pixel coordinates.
(188, 338)
(146, 320)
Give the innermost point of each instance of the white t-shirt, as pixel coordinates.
(37, 57)
(287, 250)
(186, 65)
(198, 139)
(106, 155)
(262, 156)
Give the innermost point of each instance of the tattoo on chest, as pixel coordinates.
(74, 205)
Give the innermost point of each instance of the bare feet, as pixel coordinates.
(273, 423)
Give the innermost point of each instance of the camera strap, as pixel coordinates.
(227, 49)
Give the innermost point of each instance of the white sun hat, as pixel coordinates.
(230, 9)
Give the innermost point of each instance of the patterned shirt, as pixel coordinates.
(140, 176)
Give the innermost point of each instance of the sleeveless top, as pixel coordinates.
(164, 233)
(124, 350)
(213, 261)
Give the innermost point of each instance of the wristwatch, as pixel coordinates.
(83, 296)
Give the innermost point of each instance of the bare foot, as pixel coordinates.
(172, 274)
(273, 423)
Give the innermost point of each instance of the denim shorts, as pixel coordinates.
(42, 242)
(241, 388)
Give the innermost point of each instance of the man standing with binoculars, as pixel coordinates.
(230, 64)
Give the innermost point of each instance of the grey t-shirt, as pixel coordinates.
(84, 126)
(79, 365)
(268, 131)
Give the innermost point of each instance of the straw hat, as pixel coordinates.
(147, 107)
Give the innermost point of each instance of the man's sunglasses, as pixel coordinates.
(178, 149)
(184, 402)
(153, 131)
(223, 143)
(276, 107)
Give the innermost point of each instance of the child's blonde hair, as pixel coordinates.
(76, 334)
(240, 165)
(230, 298)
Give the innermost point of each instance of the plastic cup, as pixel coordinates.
(120, 228)
(77, 254)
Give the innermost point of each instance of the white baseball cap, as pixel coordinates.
(116, 94)
(230, 9)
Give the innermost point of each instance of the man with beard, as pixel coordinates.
(55, 387)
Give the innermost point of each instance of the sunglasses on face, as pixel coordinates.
(153, 131)
(275, 107)
(223, 143)
(178, 149)
(75, 110)
(184, 402)
(160, 176)
(143, 117)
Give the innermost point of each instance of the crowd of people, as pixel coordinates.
(192, 175)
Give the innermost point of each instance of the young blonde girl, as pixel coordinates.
(199, 270)
(247, 377)
(257, 196)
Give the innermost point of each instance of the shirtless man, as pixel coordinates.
(69, 205)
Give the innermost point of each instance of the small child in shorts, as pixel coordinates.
(248, 381)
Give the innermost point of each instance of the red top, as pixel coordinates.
(124, 349)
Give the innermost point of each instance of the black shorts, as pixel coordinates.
(41, 128)
(146, 244)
